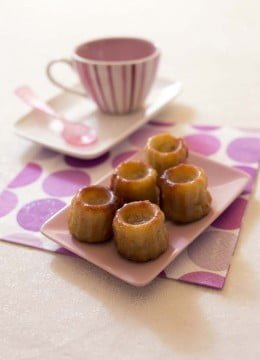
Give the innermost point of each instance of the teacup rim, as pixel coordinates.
(85, 60)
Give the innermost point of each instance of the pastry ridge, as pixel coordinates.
(91, 214)
(139, 231)
(134, 181)
(184, 194)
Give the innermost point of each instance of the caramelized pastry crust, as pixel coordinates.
(91, 214)
(135, 180)
(164, 151)
(139, 231)
(184, 195)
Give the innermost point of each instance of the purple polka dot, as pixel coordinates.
(245, 149)
(231, 218)
(206, 127)
(140, 137)
(252, 172)
(65, 182)
(161, 123)
(24, 239)
(64, 251)
(29, 174)
(203, 143)
(162, 274)
(34, 214)
(8, 201)
(44, 154)
(81, 163)
(212, 250)
(122, 157)
(204, 278)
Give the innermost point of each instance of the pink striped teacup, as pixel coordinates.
(117, 73)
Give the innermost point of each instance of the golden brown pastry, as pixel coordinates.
(184, 194)
(135, 180)
(91, 214)
(139, 231)
(164, 151)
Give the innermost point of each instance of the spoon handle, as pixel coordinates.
(26, 94)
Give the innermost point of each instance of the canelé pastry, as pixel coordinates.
(184, 194)
(135, 180)
(139, 231)
(164, 151)
(91, 214)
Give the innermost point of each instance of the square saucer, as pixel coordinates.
(225, 184)
(110, 129)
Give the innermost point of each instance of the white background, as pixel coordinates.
(56, 307)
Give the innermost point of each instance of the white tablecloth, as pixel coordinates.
(57, 307)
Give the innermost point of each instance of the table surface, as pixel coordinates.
(57, 307)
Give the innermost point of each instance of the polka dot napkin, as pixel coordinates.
(49, 180)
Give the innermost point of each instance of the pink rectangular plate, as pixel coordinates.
(225, 184)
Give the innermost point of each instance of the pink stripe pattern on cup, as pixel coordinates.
(118, 88)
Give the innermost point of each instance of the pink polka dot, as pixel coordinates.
(82, 163)
(45, 153)
(206, 127)
(24, 239)
(203, 143)
(245, 149)
(29, 174)
(231, 218)
(65, 182)
(204, 278)
(140, 137)
(122, 157)
(212, 250)
(34, 214)
(161, 123)
(252, 172)
(8, 201)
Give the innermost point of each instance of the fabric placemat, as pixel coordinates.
(48, 180)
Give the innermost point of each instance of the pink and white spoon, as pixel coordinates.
(74, 133)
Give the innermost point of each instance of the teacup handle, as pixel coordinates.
(51, 77)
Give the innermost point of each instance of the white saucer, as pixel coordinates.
(110, 129)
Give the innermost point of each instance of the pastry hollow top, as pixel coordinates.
(164, 144)
(138, 213)
(183, 174)
(134, 170)
(95, 197)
